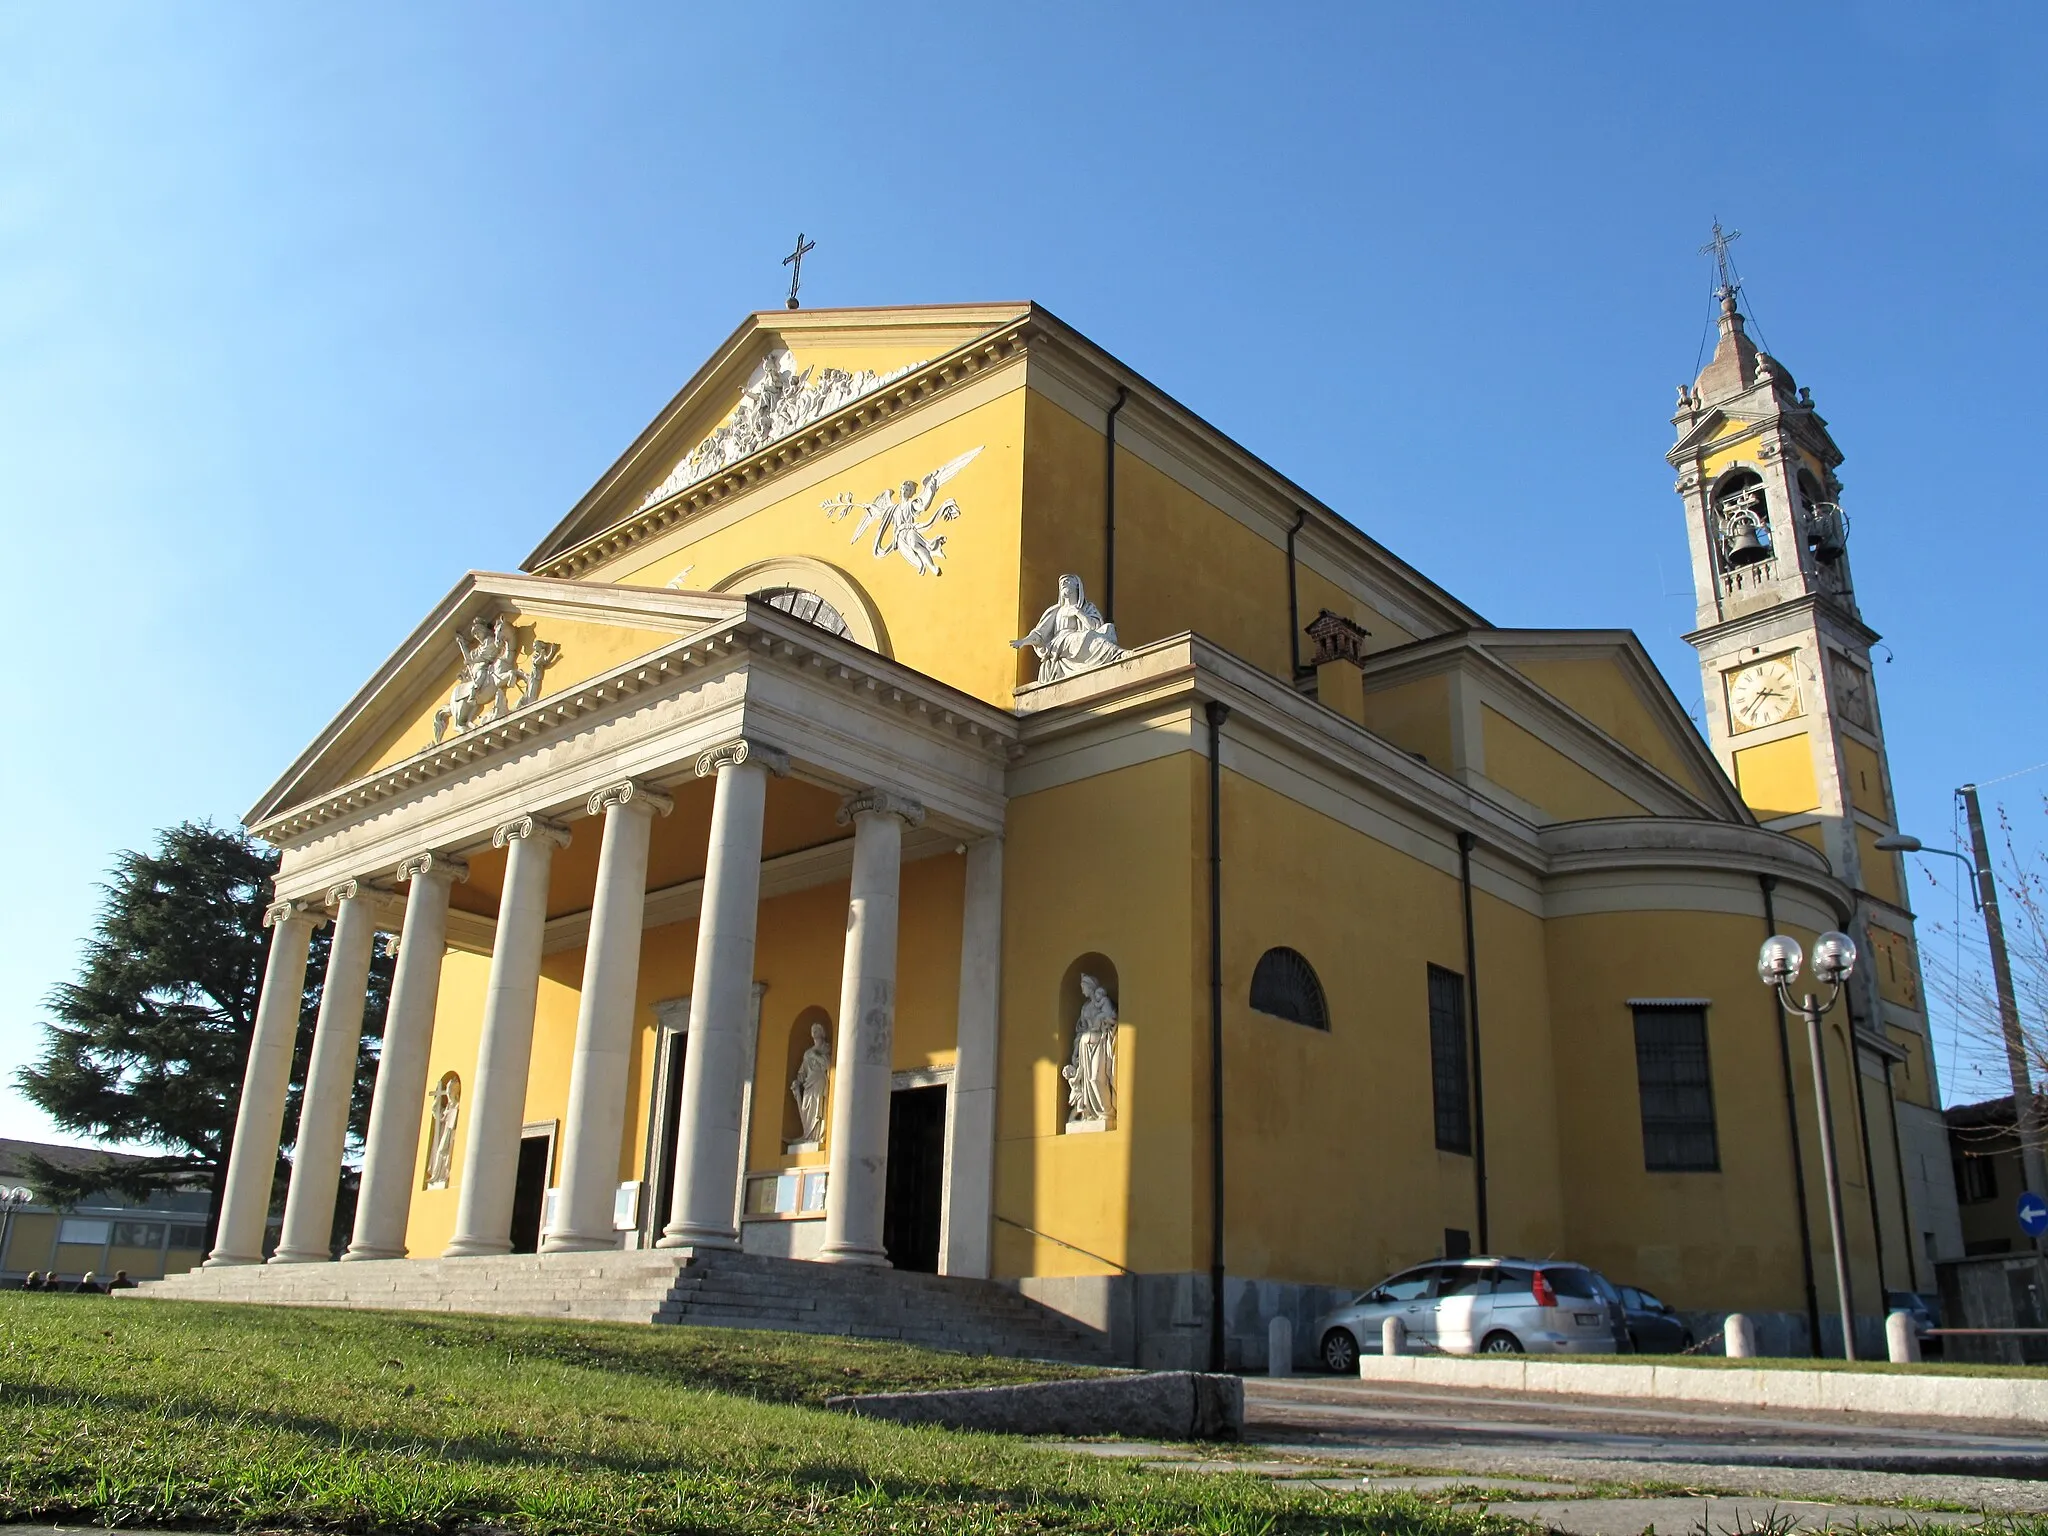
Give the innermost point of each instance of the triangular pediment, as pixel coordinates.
(779, 373)
(493, 646)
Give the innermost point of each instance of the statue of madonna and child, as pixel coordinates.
(1091, 1073)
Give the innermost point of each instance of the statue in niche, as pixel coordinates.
(442, 1110)
(1091, 1074)
(1071, 636)
(813, 1073)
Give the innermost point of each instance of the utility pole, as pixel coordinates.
(2025, 1121)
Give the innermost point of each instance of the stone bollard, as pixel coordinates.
(1902, 1338)
(1393, 1338)
(1738, 1337)
(1280, 1347)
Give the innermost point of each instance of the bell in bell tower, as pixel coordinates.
(1790, 707)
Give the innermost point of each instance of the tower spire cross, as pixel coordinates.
(795, 262)
(1717, 248)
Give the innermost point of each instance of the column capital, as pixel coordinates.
(881, 802)
(630, 794)
(742, 749)
(284, 911)
(521, 827)
(433, 866)
(347, 890)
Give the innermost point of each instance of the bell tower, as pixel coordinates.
(1791, 711)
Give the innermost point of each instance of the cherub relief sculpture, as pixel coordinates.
(1071, 636)
(903, 520)
(490, 672)
(813, 1074)
(1091, 1073)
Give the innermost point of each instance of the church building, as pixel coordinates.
(937, 802)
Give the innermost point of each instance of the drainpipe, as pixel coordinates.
(1218, 713)
(1109, 507)
(1465, 843)
(1770, 884)
(1294, 600)
(1869, 1167)
(1891, 1098)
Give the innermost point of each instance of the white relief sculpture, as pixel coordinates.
(1091, 1074)
(490, 673)
(680, 582)
(813, 1073)
(1071, 636)
(903, 519)
(444, 1108)
(776, 401)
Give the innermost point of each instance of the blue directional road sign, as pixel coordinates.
(2033, 1213)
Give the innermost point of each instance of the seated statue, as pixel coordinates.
(1071, 636)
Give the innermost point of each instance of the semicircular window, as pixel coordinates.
(1284, 985)
(808, 606)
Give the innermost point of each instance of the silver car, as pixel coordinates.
(1491, 1306)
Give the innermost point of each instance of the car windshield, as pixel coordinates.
(1650, 1303)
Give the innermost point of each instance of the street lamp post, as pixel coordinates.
(11, 1200)
(1834, 957)
(2026, 1127)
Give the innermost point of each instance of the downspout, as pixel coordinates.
(1869, 1168)
(1465, 843)
(1294, 600)
(1770, 884)
(1218, 713)
(1899, 1157)
(1109, 506)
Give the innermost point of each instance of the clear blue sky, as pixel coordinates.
(303, 312)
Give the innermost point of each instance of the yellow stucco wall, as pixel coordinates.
(1776, 778)
(1866, 779)
(1880, 870)
(956, 626)
(1602, 692)
(1415, 716)
(1539, 773)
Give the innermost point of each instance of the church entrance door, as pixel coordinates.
(917, 1172)
(667, 1121)
(530, 1189)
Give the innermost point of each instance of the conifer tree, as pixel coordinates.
(148, 1045)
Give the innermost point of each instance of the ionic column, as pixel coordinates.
(391, 1150)
(966, 1232)
(497, 1102)
(596, 1120)
(715, 1064)
(867, 1030)
(259, 1118)
(308, 1236)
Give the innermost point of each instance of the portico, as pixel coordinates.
(643, 814)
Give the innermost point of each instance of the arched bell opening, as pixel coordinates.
(1742, 520)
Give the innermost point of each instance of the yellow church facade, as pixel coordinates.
(938, 802)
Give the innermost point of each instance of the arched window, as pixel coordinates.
(1285, 986)
(1742, 519)
(807, 606)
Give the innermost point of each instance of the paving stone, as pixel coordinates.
(1711, 1517)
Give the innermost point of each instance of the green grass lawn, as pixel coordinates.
(231, 1417)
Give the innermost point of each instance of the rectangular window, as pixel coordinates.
(188, 1237)
(138, 1234)
(1976, 1179)
(1449, 1075)
(1677, 1090)
(79, 1229)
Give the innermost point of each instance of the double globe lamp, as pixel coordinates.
(1834, 957)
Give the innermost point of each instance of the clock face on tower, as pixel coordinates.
(1763, 694)
(1852, 693)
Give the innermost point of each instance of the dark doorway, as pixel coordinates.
(667, 1121)
(530, 1191)
(917, 1171)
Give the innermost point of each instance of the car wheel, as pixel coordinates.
(1340, 1352)
(1500, 1342)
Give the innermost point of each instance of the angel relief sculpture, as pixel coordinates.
(903, 519)
(490, 674)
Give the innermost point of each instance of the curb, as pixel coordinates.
(1935, 1397)
(1162, 1405)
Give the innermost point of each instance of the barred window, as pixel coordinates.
(1285, 986)
(1677, 1089)
(808, 606)
(1450, 1077)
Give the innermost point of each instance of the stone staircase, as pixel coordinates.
(712, 1288)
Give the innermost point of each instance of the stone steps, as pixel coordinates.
(707, 1288)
